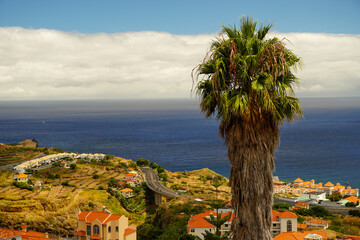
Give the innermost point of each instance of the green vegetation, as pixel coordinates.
(23, 185)
(316, 211)
(141, 162)
(168, 222)
(281, 206)
(346, 225)
(355, 213)
(335, 197)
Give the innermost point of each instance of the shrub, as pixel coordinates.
(142, 162)
(65, 183)
(350, 204)
(101, 187)
(355, 213)
(72, 166)
(95, 176)
(23, 185)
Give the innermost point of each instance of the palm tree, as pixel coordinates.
(246, 80)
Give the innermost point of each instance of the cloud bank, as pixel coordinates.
(48, 64)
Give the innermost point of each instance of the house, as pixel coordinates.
(130, 176)
(351, 192)
(127, 193)
(103, 226)
(306, 235)
(198, 224)
(316, 222)
(301, 226)
(329, 188)
(226, 208)
(21, 177)
(317, 196)
(352, 199)
(283, 222)
(301, 204)
(23, 234)
(124, 162)
(63, 164)
(38, 183)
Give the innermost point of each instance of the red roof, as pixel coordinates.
(34, 234)
(129, 230)
(317, 221)
(80, 233)
(31, 235)
(301, 226)
(7, 233)
(285, 214)
(103, 217)
(299, 235)
(303, 204)
(199, 223)
(351, 237)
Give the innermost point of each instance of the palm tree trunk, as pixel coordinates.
(251, 144)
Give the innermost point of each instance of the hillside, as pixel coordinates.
(53, 206)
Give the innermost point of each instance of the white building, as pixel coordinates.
(283, 222)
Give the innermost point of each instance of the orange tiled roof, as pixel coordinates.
(31, 235)
(317, 221)
(199, 223)
(126, 190)
(352, 199)
(301, 204)
(22, 175)
(34, 234)
(80, 233)
(7, 233)
(129, 230)
(298, 180)
(351, 237)
(329, 184)
(285, 214)
(299, 235)
(103, 217)
(301, 226)
(131, 174)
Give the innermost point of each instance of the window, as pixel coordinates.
(117, 229)
(88, 230)
(192, 230)
(96, 230)
(109, 229)
(289, 226)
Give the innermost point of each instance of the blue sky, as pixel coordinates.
(180, 17)
(86, 49)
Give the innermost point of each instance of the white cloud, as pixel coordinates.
(50, 64)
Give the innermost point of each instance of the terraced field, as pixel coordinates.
(53, 208)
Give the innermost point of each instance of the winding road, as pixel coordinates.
(153, 182)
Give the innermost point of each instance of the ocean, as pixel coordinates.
(324, 145)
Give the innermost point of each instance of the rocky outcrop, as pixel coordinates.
(28, 143)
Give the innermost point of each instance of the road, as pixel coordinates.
(153, 182)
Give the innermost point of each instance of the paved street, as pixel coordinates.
(153, 182)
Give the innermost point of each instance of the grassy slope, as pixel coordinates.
(13, 154)
(53, 208)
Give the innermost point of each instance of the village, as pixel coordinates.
(297, 196)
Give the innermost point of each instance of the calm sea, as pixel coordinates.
(324, 146)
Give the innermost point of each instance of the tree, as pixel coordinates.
(72, 166)
(247, 82)
(142, 162)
